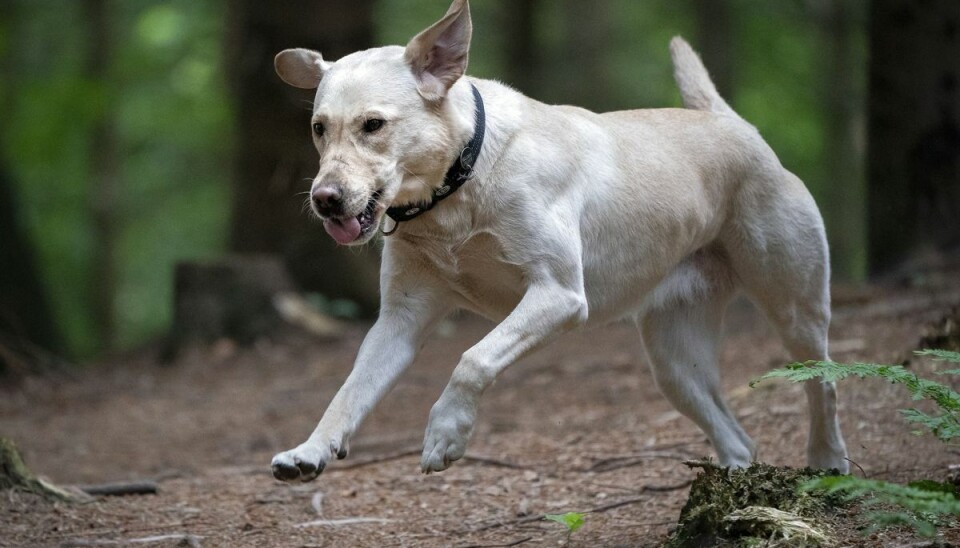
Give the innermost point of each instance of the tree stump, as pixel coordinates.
(227, 298)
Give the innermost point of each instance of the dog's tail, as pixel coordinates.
(696, 87)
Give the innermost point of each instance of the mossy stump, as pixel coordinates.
(14, 475)
(757, 506)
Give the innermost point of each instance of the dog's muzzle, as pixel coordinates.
(347, 230)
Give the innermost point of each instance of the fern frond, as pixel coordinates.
(925, 502)
(945, 427)
(828, 371)
(940, 355)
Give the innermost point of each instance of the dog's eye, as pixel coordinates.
(318, 129)
(372, 125)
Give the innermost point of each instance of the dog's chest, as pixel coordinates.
(477, 271)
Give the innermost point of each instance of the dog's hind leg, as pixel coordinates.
(781, 258)
(682, 337)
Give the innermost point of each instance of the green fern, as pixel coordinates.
(945, 426)
(941, 355)
(927, 504)
(924, 504)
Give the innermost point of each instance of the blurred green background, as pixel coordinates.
(126, 124)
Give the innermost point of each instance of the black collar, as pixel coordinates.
(459, 173)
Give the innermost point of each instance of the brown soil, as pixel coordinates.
(578, 426)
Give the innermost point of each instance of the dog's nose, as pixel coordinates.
(328, 200)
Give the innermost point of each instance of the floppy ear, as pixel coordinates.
(438, 55)
(302, 68)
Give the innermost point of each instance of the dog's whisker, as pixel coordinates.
(306, 206)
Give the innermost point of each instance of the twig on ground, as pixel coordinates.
(651, 488)
(339, 522)
(504, 545)
(479, 459)
(183, 538)
(595, 510)
(862, 471)
(665, 488)
(378, 459)
(494, 462)
(144, 487)
(624, 461)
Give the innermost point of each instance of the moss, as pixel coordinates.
(14, 474)
(721, 500)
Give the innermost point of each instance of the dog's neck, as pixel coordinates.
(459, 173)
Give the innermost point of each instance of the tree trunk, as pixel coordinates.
(715, 42)
(105, 172)
(231, 297)
(25, 318)
(844, 194)
(519, 24)
(275, 156)
(913, 132)
(587, 82)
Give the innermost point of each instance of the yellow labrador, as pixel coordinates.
(550, 218)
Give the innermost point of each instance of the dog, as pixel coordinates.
(551, 218)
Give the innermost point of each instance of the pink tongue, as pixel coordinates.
(344, 231)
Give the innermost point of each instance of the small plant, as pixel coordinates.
(572, 520)
(925, 504)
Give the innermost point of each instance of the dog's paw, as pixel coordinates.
(447, 434)
(829, 460)
(306, 461)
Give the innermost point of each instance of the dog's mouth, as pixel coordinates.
(346, 230)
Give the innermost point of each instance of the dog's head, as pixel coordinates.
(381, 123)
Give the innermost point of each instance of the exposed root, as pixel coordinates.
(14, 475)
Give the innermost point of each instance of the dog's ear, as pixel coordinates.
(438, 55)
(302, 68)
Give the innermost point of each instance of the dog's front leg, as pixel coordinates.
(409, 312)
(548, 308)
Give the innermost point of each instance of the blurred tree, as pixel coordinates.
(587, 81)
(520, 44)
(914, 130)
(275, 158)
(104, 167)
(26, 322)
(715, 42)
(841, 94)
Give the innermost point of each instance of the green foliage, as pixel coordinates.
(572, 520)
(945, 426)
(925, 504)
(165, 100)
(943, 356)
(922, 505)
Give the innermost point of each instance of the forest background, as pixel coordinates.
(137, 134)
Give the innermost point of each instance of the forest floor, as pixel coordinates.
(578, 426)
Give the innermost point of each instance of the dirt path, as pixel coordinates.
(576, 427)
